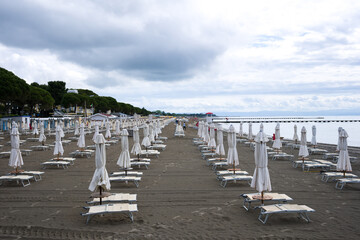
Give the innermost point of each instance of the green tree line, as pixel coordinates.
(17, 98)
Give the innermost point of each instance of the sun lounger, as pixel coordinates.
(234, 178)
(300, 162)
(86, 153)
(58, 164)
(140, 164)
(93, 147)
(327, 176)
(40, 148)
(343, 181)
(5, 154)
(331, 164)
(283, 156)
(158, 142)
(73, 138)
(64, 142)
(35, 174)
(140, 159)
(295, 146)
(115, 197)
(221, 164)
(209, 161)
(352, 159)
(32, 139)
(128, 173)
(208, 154)
(314, 151)
(150, 153)
(25, 152)
(126, 179)
(23, 179)
(66, 159)
(222, 173)
(160, 147)
(111, 208)
(331, 156)
(162, 138)
(301, 210)
(249, 198)
(21, 142)
(179, 135)
(111, 142)
(323, 166)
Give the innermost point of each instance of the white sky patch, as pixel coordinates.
(192, 56)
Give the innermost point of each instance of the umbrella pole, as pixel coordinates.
(100, 195)
(262, 197)
(58, 156)
(344, 173)
(234, 167)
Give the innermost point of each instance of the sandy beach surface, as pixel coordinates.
(179, 197)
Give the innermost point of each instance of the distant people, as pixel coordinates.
(274, 136)
(184, 126)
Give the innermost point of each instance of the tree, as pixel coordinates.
(40, 97)
(57, 89)
(70, 100)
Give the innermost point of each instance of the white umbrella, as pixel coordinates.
(96, 132)
(146, 141)
(58, 148)
(212, 143)
(220, 140)
(343, 163)
(35, 130)
(42, 137)
(200, 129)
(250, 136)
(338, 144)
(313, 138)
(61, 129)
(100, 178)
(151, 132)
(303, 151)
(205, 135)
(262, 128)
(277, 143)
(77, 132)
(48, 127)
(117, 128)
(261, 178)
(136, 149)
(179, 129)
(241, 133)
(232, 157)
(15, 154)
(107, 133)
(81, 140)
(295, 137)
(124, 158)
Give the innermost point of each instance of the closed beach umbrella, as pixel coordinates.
(313, 138)
(146, 141)
(262, 128)
(62, 129)
(58, 148)
(15, 154)
(206, 136)
(241, 133)
(151, 132)
(35, 130)
(117, 128)
(81, 140)
(220, 141)
(48, 127)
(277, 143)
(232, 157)
(42, 137)
(261, 178)
(107, 133)
(124, 158)
(77, 132)
(200, 129)
(136, 149)
(212, 142)
(250, 136)
(295, 137)
(338, 144)
(343, 163)
(96, 132)
(100, 178)
(303, 151)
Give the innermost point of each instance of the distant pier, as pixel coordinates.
(278, 120)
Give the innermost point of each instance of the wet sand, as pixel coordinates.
(178, 198)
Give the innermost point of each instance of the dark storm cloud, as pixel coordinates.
(107, 36)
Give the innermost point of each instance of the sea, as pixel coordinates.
(325, 132)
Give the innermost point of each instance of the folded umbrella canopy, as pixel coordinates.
(96, 132)
(205, 135)
(35, 130)
(212, 142)
(232, 157)
(100, 179)
(136, 149)
(241, 133)
(250, 136)
(338, 144)
(81, 140)
(303, 151)
(77, 132)
(313, 138)
(58, 148)
(220, 140)
(343, 163)
(200, 129)
(124, 158)
(261, 178)
(277, 143)
(117, 128)
(146, 141)
(42, 137)
(108, 130)
(16, 160)
(295, 137)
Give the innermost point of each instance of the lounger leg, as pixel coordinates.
(265, 218)
(131, 216)
(339, 185)
(88, 219)
(305, 216)
(244, 205)
(136, 183)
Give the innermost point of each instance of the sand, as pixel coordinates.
(178, 198)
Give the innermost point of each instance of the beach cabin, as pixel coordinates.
(22, 121)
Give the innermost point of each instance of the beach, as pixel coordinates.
(179, 197)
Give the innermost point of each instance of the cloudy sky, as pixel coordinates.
(191, 56)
